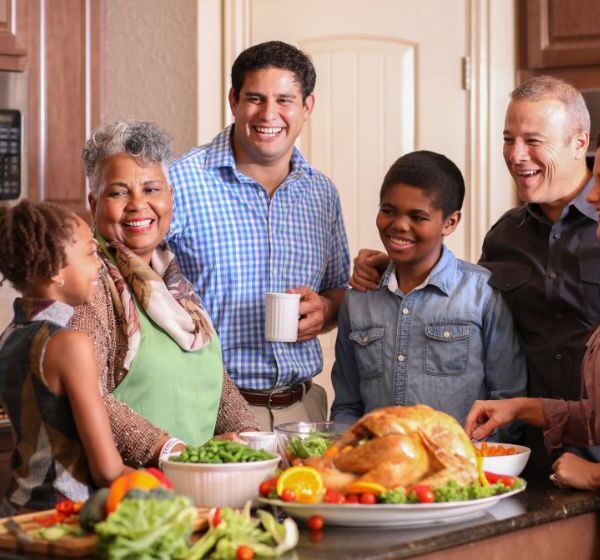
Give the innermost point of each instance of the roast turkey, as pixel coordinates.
(398, 447)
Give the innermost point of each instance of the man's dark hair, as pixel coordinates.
(274, 54)
(433, 173)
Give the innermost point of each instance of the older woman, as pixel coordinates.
(158, 355)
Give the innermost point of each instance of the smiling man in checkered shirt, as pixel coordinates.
(252, 216)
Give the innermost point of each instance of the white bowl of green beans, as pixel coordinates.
(220, 473)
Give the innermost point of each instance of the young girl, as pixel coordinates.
(48, 380)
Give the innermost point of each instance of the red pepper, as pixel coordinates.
(508, 481)
(216, 517)
(66, 507)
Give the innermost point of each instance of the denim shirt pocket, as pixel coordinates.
(447, 347)
(368, 351)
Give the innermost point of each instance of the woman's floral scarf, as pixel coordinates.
(161, 290)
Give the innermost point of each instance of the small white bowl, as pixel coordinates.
(260, 440)
(219, 485)
(511, 465)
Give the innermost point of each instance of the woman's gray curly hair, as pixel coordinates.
(143, 140)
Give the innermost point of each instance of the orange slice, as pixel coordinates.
(305, 482)
(360, 487)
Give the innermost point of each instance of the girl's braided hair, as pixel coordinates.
(32, 242)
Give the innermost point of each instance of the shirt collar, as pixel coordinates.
(29, 309)
(441, 276)
(220, 154)
(579, 202)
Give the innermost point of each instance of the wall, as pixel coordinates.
(7, 295)
(150, 65)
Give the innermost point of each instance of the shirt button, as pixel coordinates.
(560, 316)
(553, 275)
(280, 350)
(405, 311)
(365, 339)
(400, 358)
(446, 334)
(557, 236)
(558, 356)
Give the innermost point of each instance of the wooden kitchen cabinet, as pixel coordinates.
(13, 34)
(562, 33)
(561, 38)
(64, 65)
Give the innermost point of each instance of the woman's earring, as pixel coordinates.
(60, 282)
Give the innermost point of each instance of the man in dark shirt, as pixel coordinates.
(544, 256)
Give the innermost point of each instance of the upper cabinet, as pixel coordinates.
(560, 37)
(562, 33)
(13, 34)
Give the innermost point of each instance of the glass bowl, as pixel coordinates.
(300, 440)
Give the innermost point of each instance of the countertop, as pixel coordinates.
(540, 503)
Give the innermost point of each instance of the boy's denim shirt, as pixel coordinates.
(446, 343)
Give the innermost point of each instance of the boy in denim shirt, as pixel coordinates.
(434, 332)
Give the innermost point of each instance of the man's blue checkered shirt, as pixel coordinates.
(235, 244)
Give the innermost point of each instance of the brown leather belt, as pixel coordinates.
(277, 398)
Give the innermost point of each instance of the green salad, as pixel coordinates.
(303, 448)
(451, 492)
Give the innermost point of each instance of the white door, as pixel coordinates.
(389, 81)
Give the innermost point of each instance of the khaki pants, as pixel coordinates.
(312, 408)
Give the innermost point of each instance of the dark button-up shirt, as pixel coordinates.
(549, 274)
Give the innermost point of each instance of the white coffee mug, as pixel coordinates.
(281, 320)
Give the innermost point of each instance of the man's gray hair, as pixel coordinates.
(143, 140)
(544, 87)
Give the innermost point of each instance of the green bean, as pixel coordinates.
(222, 451)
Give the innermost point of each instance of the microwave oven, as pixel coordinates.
(13, 111)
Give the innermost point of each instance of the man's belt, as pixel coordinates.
(277, 398)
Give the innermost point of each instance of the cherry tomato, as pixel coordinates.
(267, 486)
(65, 507)
(331, 496)
(244, 552)
(352, 498)
(316, 536)
(288, 495)
(508, 481)
(216, 517)
(315, 522)
(423, 493)
(367, 498)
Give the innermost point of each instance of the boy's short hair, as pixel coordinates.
(434, 173)
(274, 54)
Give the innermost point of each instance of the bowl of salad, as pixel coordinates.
(300, 440)
(220, 473)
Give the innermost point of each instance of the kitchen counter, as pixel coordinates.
(539, 506)
(537, 523)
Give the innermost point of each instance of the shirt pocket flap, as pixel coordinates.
(366, 336)
(448, 332)
(508, 276)
(590, 271)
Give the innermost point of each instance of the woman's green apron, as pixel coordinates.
(176, 390)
